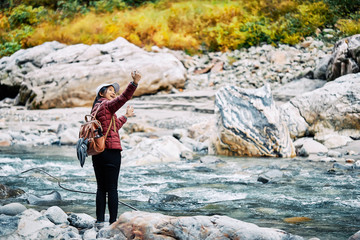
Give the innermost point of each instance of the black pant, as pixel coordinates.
(107, 169)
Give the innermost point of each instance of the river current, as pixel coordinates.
(330, 201)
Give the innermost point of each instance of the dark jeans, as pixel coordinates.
(107, 169)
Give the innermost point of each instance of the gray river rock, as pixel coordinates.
(12, 209)
(345, 58)
(51, 198)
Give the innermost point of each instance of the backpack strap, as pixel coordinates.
(114, 121)
(94, 115)
(107, 132)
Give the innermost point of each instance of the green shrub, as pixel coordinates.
(294, 26)
(25, 15)
(9, 48)
(18, 26)
(71, 8)
(343, 8)
(52, 4)
(348, 27)
(307, 19)
(256, 32)
(136, 3)
(224, 37)
(108, 5)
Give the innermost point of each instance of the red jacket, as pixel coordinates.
(107, 110)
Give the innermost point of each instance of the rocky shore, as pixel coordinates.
(259, 102)
(53, 223)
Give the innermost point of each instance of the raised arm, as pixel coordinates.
(118, 102)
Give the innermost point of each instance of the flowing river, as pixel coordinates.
(329, 201)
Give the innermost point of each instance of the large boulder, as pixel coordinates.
(149, 151)
(345, 58)
(144, 225)
(56, 75)
(249, 124)
(332, 109)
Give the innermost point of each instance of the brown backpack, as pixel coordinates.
(91, 139)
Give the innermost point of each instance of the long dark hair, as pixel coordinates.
(102, 91)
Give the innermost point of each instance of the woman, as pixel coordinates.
(107, 164)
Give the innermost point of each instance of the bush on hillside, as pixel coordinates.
(193, 26)
(292, 27)
(137, 2)
(17, 26)
(104, 6)
(343, 8)
(71, 8)
(349, 27)
(25, 15)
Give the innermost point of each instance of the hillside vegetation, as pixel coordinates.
(193, 26)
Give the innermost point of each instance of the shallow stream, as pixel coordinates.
(330, 201)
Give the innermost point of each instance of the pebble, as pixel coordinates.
(350, 161)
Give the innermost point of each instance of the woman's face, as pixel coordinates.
(109, 93)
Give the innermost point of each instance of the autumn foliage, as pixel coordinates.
(192, 26)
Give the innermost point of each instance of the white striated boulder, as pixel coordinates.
(249, 124)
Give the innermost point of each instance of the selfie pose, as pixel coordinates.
(107, 163)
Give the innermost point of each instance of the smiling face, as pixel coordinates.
(109, 93)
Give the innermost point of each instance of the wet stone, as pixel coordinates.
(356, 236)
(81, 220)
(263, 179)
(343, 166)
(6, 192)
(9, 225)
(12, 209)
